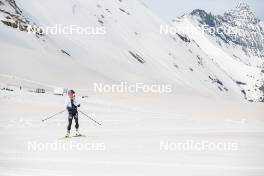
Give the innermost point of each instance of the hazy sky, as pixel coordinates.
(174, 8)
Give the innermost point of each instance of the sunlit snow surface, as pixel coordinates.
(133, 128)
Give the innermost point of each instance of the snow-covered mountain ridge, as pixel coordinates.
(236, 38)
(238, 27)
(132, 50)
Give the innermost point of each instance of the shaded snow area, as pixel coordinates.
(141, 135)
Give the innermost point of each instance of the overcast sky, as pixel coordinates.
(174, 8)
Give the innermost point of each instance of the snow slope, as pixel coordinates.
(131, 30)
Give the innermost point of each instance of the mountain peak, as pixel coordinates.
(241, 27)
(242, 12)
(243, 6)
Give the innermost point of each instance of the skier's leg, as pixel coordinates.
(69, 123)
(76, 122)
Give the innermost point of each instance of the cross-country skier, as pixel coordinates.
(72, 106)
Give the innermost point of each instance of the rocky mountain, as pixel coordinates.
(238, 27)
(12, 15)
(236, 38)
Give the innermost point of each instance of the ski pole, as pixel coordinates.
(53, 116)
(90, 118)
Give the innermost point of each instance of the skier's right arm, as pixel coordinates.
(67, 105)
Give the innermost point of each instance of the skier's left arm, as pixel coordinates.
(77, 103)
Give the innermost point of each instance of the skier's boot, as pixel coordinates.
(77, 133)
(67, 135)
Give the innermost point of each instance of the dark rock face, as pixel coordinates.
(184, 38)
(13, 4)
(137, 57)
(13, 17)
(205, 18)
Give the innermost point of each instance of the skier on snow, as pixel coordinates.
(72, 106)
